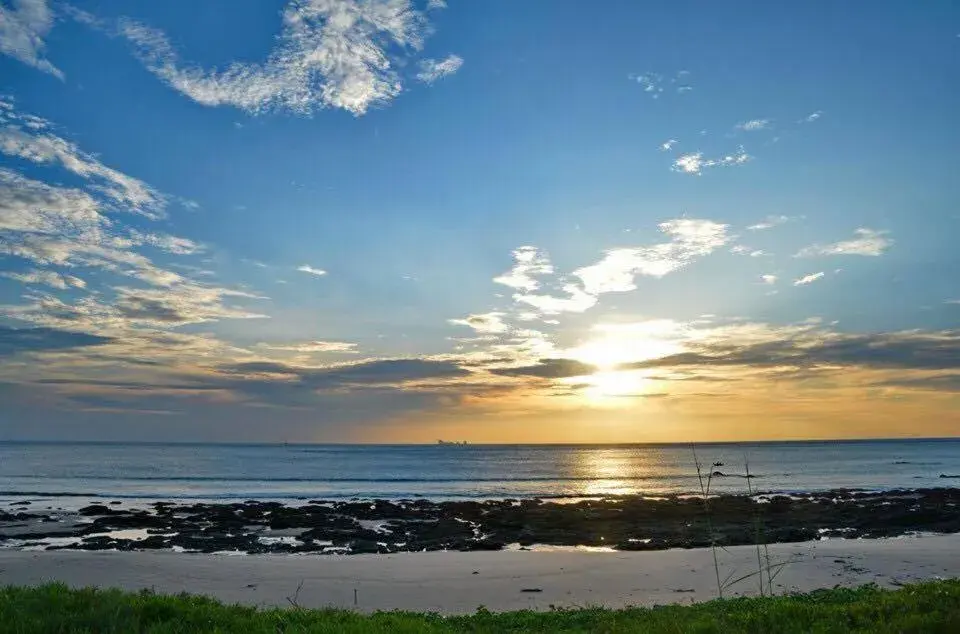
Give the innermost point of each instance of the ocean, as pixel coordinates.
(148, 471)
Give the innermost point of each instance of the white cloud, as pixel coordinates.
(484, 323)
(48, 278)
(331, 54)
(22, 29)
(813, 116)
(78, 227)
(38, 145)
(769, 223)
(667, 145)
(576, 301)
(166, 242)
(690, 239)
(768, 279)
(695, 163)
(306, 268)
(528, 262)
(754, 125)
(868, 242)
(431, 70)
(313, 347)
(654, 84)
(808, 279)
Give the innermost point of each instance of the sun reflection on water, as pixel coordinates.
(612, 471)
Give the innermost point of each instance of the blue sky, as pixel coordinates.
(398, 220)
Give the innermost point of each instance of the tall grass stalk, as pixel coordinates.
(757, 527)
(705, 493)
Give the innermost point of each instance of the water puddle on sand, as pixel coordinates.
(549, 548)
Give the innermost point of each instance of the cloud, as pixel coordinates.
(576, 301)
(312, 347)
(306, 268)
(808, 279)
(53, 225)
(667, 145)
(813, 116)
(769, 223)
(528, 263)
(16, 340)
(165, 242)
(695, 163)
(754, 125)
(49, 278)
(486, 323)
(38, 145)
(330, 54)
(285, 384)
(549, 369)
(939, 383)
(22, 29)
(655, 84)
(431, 70)
(768, 279)
(690, 239)
(181, 304)
(808, 347)
(868, 243)
(615, 272)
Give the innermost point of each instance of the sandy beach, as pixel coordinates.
(459, 582)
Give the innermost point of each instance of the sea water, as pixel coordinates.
(149, 471)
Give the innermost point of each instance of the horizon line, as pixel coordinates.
(478, 444)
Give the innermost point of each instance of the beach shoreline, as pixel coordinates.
(460, 582)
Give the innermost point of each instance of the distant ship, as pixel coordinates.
(452, 442)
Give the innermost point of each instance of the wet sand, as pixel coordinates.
(458, 582)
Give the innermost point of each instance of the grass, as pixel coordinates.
(926, 607)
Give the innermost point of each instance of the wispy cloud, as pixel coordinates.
(868, 242)
(655, 84)
(306, 268)
(690, 238)
(769, 223)
(330, 54)
(82, 228)
(695, 163)
(753, 125)
(768, 279)
(529, 262)
(48, 278)
(667, 145)
(431, 70)
(813, 116)
(808, 279)
(313, 347)
(615, 272)
(28, 137)
(485, 323)
(22, 29)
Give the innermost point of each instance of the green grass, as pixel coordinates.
(926, 607)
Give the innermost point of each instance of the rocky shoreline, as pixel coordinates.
(384, 526)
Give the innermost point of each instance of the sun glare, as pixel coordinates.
(613, 388)
(618, 344)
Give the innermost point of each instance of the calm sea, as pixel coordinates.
(167, 471)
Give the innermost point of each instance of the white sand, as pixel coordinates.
(445, 581)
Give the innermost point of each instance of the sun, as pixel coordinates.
(613, 388)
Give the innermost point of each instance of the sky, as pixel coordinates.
(499, 221)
